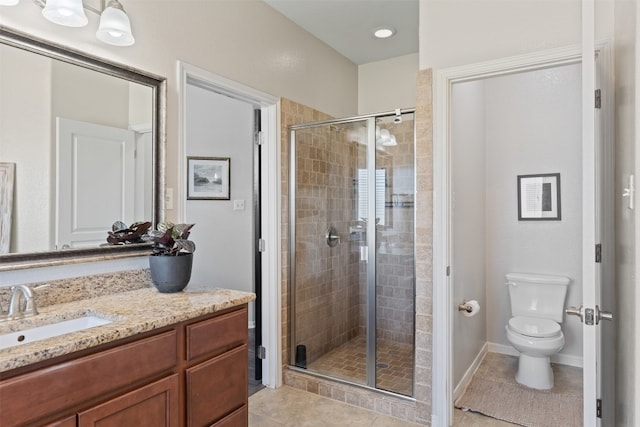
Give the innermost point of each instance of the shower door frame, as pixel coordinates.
(371, 330)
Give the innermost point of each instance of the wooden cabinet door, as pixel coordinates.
(217, 387)
(155, 405)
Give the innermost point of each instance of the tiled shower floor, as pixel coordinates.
(394, 370)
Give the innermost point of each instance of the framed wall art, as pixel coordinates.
(7, 174)
(208, 178)
(539, 197)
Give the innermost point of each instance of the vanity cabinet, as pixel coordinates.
(217, 360)
(153, 405)
(193, 373)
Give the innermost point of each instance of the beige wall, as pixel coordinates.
(23, 103)
(387, 85)
(245, 41)
(459, 32)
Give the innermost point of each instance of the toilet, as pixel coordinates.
(537, 307)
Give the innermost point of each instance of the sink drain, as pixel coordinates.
(382, 365)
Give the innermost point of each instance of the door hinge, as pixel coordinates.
(598, 252)
(262, 245)
(262, 353)
(258, 138)
(448, 270)
(599, 408)
(598, 99)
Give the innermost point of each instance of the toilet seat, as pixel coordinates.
(534, 327)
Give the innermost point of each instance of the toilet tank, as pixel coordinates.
(537, 295)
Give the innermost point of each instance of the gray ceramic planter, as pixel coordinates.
(170, 273)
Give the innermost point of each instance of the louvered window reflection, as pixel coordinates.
(363, 194)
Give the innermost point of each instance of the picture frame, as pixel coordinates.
(7, 177)
(208, 178)
(539, 197)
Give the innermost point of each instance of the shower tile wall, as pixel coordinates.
(395, 269)
(291, 113)
(326, 277)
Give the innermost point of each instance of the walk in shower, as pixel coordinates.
(352, 269)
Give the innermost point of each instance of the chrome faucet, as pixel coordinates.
(16, 310)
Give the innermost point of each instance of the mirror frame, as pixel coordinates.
(158, 85)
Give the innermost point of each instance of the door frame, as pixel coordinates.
(271, 305)
(442, 396)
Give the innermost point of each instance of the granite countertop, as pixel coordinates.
(131, 312)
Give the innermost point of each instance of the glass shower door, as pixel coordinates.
(329, 287)
(352, 253)
(395, 266)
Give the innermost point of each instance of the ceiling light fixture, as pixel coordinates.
(114, 29)
(384, 32)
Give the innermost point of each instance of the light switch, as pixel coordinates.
(238, 205)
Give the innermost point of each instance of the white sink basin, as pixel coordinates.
(51, 330)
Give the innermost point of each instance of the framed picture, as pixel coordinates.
(7, 176)
(539, 197)
(208, 178)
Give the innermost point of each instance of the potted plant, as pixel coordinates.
(172, 256)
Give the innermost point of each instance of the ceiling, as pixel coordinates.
(347, 25)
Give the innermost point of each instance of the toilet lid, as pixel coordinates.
(534, 327)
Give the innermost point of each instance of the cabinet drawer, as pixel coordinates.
(67, 422)
(216, 335)
(153, 405)
(239, 418)
(69, 384)
(217, 387)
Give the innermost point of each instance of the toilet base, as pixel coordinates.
(535, 372)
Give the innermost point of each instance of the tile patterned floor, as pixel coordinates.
(566, 378)
(291, 407)
(394, 364)
(287, 406)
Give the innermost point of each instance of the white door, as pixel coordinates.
(596, 228)
(95, 185)
(598, 362)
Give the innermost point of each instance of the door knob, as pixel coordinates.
(603, 315)
(573, 311)
(590, 314)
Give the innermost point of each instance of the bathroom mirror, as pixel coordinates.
(86, 139)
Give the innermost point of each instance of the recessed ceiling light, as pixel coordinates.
(384, 32)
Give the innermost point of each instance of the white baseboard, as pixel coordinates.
(466, 378)
(561, 359)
